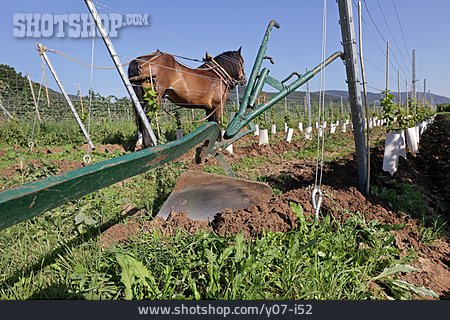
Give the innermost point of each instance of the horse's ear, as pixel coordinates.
(239, 50)
(207, 56)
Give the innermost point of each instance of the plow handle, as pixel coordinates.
(244, 117)
(273, 23)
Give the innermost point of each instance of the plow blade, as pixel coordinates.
(202, 195)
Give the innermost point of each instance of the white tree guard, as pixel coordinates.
(256, 133)
(230, 147)
(263, 137)
(273, 130)
(289, 134)
(412, 141)
(308, 133)
(391, 152)
(402, 145)
(332, 128)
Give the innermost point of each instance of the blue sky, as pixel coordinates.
(189, 28)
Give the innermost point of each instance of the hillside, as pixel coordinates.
(437, 99)
(335, 96)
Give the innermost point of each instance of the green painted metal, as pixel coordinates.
(243, 117)
(274, 83)
(228, 171)
(257, 65)
(258, 86)
(31, 199)
(224, 143)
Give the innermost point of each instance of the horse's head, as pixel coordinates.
(233, 63)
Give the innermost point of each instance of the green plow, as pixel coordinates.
(31, 199)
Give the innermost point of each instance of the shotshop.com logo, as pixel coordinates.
(74, 25)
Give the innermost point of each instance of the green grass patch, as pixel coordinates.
(214, 170)
(407, 199)
(66, 133)
(247, 163)
(326, 260)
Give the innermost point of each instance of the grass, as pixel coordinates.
(317, 261)
(37, 253)
(57, 254)
(65, 133)
(407, 199)
(247, 163)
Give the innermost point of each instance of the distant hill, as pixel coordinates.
(376, 96)
(335, 96)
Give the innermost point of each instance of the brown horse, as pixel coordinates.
(206, 87)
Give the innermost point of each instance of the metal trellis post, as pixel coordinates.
(351, 66)
(112, 51)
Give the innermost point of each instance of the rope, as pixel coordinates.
(166, 33)
(87, 157)
(186, 58)
(90, 66)
(321, 116)
(83, 64)
(45, 82)
(382, 37)
(393, 37)
(401, 29)
(31, 143)
(81, 100)
(33, 96)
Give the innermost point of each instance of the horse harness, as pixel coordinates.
(223, 75)
(220, 72)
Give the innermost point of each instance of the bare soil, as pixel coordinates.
(105, 148)
(63, 166)
(52, 150)
(428, 170)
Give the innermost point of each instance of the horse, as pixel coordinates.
(206, 87)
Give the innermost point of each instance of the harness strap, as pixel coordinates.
(221, 72)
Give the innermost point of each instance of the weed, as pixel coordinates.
(214, 170)
(407, 198)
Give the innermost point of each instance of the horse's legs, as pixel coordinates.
(140, 127)
(218, 114)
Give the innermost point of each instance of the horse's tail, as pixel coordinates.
(137, 77)
(133, 71)
(133, 68)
